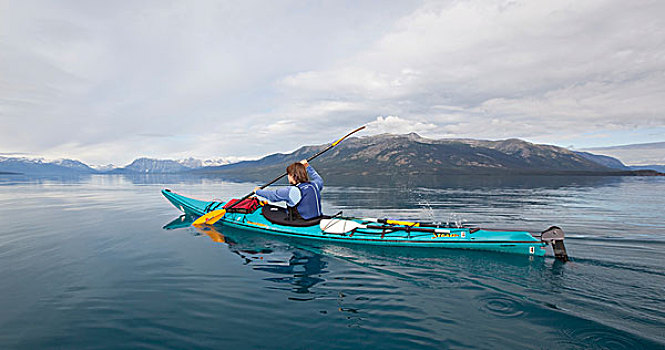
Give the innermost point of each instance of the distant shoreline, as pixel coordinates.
(457, 173)
(253, 175)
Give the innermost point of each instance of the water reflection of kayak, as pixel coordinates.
(267, 219)
(297, 269)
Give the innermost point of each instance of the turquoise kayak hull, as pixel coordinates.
(519, 242)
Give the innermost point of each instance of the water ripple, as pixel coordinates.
(500, 305)
(594, 338)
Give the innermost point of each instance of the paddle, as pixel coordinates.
(339, 226)
(213, 216)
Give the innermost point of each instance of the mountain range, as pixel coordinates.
(40, 166)
(383, 155)
(411, 156)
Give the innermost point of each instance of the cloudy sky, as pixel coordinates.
(108, 81)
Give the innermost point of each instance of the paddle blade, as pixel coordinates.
(392, 222)
(339, 225)
(347, 135)
(210, 218)
(216, 218)
(403, 223)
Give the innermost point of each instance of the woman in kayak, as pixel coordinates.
(303, 198)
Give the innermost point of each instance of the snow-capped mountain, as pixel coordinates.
(190, 162)
(73, 164)
(40, 166)
(166, 166)
(217, 161)
(152, 166)
(104, 168)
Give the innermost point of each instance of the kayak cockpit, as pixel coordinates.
(280, 216)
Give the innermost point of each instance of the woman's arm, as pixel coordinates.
(291, 195)
(315, 178)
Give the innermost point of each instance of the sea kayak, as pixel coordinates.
(380, 232)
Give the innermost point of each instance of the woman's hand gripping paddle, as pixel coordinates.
(214, 216)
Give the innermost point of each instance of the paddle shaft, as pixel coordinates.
(308, 160)
(405, 228)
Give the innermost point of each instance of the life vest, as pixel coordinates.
(309, 205)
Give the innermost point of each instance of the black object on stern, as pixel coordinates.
(554, 236)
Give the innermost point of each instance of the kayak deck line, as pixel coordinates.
(253, 224)
(394, 235)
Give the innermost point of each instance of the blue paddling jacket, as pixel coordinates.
(305, 197)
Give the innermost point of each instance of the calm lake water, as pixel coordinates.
(87, 263)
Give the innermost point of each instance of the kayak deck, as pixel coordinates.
(520, 242)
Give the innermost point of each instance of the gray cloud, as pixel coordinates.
(91, 80)
(530, 68)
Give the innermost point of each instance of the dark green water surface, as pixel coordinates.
(86, 263)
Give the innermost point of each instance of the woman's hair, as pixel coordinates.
(297, 172)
